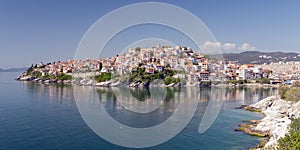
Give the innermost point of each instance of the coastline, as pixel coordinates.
(278, 115)
(157, 83)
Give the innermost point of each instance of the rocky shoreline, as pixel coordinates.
(115, 83)
(278, 115)
(109, 83)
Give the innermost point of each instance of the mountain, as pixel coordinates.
(13, 70)
(256, 57)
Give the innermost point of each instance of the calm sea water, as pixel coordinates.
(35, 116)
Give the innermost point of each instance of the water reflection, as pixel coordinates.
(157, 101)
(135, 107)
(247, 95)
(140, 100)
(207, 99)
(64, 94)
(53, 92)
(105, 122)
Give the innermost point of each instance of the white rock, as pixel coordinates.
(294, 111)
(278, 117)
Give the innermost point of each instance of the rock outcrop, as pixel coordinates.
(278, 115)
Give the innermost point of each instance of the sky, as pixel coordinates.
(34, 31)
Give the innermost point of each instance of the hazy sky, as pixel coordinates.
(33, 31)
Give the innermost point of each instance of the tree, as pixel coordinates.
(137, 49)
(30, 69)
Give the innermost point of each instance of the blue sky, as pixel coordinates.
(34, 31)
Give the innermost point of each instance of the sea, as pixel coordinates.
(51, 116)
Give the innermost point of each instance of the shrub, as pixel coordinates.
(29, 70)
(282, 89)
(293, 94)
(232, 81)
(296, 84)
(36, 74)
(63, 76)
(291, 141)
(103, 77)
(242, 81)
(168, 80)
(265, 81)
(49, 77)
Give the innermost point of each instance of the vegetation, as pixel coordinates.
(291, 141)
(103, 77)
(237, 82)
(30, 69)
(232, 81)
(141, 76)
(48, 76)
(36, 74)
(292, 94)
(249, 129)
(140, 94)
(263, 81)
(169, 80)
(289, 93)
(296, 84)
(243, 81)
(249, 108)
(138, 49)
(63, 76)
(282, 89)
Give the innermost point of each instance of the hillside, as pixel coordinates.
(256, 57)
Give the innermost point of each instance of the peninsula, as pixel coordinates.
(162, 66)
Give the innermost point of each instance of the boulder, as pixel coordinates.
(294, 111)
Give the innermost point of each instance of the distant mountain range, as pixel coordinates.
(256, 57)
(13, 70)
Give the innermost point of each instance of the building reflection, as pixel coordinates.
(128, 105)
(53, 92)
